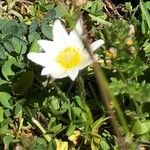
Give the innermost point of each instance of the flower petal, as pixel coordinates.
(46, 45)
(73, 73)
(79, 27)
(39, 58)
(88, 61)
(76, 40)
(60, 76)
(54, 70)
(50, 72)
(96, 44)
(50, 48)
(60, 35)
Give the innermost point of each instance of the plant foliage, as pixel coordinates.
(38, 113)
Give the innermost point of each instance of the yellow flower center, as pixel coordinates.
(69, 58)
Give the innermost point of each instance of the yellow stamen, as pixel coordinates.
(69, 58)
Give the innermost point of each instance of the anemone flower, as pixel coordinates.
(66, 55)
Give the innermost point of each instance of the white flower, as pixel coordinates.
(66, 54)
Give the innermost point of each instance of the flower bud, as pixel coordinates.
(74, 137)
(101, 61)
(131, 30)
(113, 52)
(61, 145)
(129, 41)
(108, 61)
(132, 49)
(108, 54)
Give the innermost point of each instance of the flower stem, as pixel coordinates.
(108, 98)
(82, 94)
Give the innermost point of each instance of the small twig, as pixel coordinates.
(20, 127)
(46, 136)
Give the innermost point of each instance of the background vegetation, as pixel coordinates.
(37, 113)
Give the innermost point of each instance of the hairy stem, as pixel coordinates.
(108, 98)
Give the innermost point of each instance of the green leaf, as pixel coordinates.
(147, 48)
(34, 46)
(49, 6)
(6, 68)
(10, 27)
(61, 10)
(47, 31)
(24, 82)
(139, 128)
(79, 102)
(147, 124)
(33, 36)
(7, 113)
(2, 82)
(97, 124)
(71, 129)
(4, 127)
(9, 46)
(145, 15)
(7, 140)
(1, 114)
(2, 22)
(31, 10)
(147, 4)
(77, 111)
(56, 128)
(104, 144)
(33, 26)
(22, 29)
(17, 45)
(52, 122)
(2, 52)
(55, 104)
(95, 143)
(118, 86)
(99, 20)
(40, 144)
(18, 110)
(4, 99)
